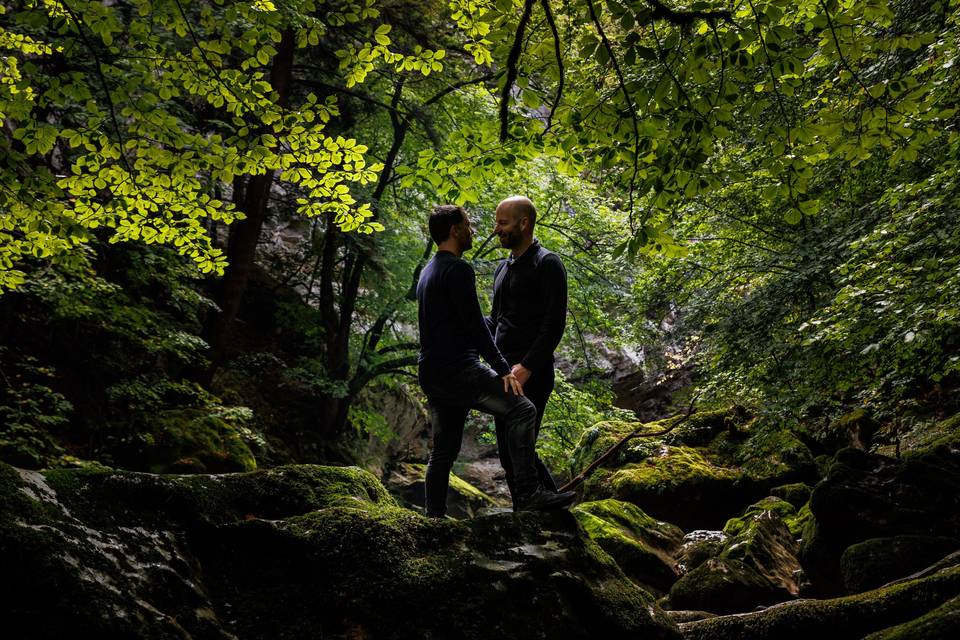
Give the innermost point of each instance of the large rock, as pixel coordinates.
(870, 496)
(695, 476)
(757, 567)
(293, 552)
(643, 546)
(877, 561)
(463, 499)
(698, 547)
(942, 622)
(929, 602)
(183, 440)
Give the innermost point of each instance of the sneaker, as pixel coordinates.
(543, 500)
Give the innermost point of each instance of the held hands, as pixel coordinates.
(521, 372)
(510, 383)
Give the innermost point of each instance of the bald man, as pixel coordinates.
(529, 314)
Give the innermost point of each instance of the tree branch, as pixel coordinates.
(612, 451)
(559, 55)
(512, 61)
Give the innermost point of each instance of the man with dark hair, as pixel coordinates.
(528, 315)
(453, 336)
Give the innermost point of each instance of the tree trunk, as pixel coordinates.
(244, 235)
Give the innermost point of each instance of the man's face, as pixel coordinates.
(465, 233)
(508, 227)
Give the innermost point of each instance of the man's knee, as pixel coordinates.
(440, 458)
(522, 413)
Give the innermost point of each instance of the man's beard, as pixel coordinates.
(511, 240)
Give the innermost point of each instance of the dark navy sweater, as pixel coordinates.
(453, 333)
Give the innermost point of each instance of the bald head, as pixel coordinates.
(515, 218)
(518, 207)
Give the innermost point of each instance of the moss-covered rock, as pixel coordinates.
(796, 493)
(850, 616)
(870, 496)
(184, 441)
(643, 546)
(694, 477)
(291, 553)
(942, 622)
(875, 562)
(676, 483)
(698, 547)
(781, 508)
(757, 567)
(463, 499)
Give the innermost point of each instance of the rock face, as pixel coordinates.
(757, 567)
(921, 609)
(294, 552)
(868, 496)
(642, 546)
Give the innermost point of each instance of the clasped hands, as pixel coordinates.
(518, 376)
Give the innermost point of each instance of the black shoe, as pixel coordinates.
(543, 500)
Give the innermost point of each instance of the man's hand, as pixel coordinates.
(521, 372)
(510, 382)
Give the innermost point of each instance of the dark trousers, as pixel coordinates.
(537, 389)
(450, 397)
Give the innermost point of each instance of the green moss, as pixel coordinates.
(797, 493)
(877, 561)
(671, 468)
(856, 615)
(458, 484)
(781, 508)
(641, 545)
(797, 523)
(697, 430)
(940, 623)
(775, 454)
(184, 441)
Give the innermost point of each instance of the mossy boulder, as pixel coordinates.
(927, 601)
(184, 441)
(757, 567)
(796, 493)
(942, 622)
(464, 500)
(698, 547)
(643, 546)
(870, 496)
(781, 508)
(676, 483)
(294, 552)
(875, 562)
(693, 479)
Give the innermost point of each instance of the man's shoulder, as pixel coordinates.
(458, 268)
(546, 258)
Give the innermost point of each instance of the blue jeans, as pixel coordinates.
(451, 396)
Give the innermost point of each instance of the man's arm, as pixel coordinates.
(463, 292)
(554, 299)
(494, 316)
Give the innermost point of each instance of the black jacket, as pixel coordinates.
(452, 328)
(529, 310)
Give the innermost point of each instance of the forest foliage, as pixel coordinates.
(766, 189)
